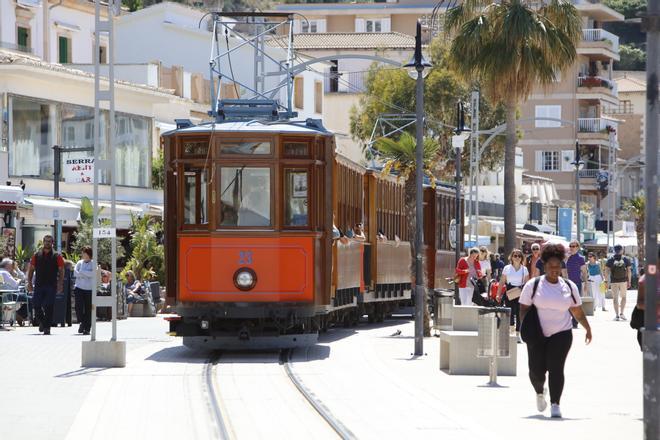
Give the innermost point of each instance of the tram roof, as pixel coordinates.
(312, 127)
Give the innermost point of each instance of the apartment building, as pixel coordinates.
(578, 101)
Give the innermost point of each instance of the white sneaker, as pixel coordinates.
(541, 403)
(555, 412)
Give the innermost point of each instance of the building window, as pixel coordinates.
(548, 161)
(64, 50)
(299, 92)
(547, 111)
(23, 39)
(36, 126)
(374, 25)
(311, 26)
(318, 97)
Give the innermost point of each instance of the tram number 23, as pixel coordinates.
(245, 257)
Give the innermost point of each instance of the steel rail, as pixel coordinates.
(214, 404)
(341, 430)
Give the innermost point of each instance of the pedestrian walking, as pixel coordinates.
(514, 277)
(533, 259)
(620, 279)
(595, 280)
(48, 267)
(466, 268)
(484, 263)
(84, 272)
(576, 266)
(554, 299)
(637, 317)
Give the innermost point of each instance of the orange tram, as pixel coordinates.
(250, 254)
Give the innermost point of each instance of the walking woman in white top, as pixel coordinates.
(595, 280)
(555, 299)
(514, 276)
(484, 262)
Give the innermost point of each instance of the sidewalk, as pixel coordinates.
(370, 381)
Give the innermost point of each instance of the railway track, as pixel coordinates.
(251, 395)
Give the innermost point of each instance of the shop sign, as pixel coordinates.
(78, 167)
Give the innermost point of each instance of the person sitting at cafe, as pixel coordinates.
(134, 290)
(9, 282)
(17, 273)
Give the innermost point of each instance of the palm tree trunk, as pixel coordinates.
(509, 177)
(410, 194)
(639, 230)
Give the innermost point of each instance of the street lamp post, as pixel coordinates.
(578, 164)
(416, 69)
(458, 142)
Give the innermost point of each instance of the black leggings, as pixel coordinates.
(549, 355)
(515, 311)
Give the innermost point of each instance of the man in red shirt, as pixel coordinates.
(48, 268)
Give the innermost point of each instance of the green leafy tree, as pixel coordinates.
(147, 259)
(399, 157)
(158, 171)
(132, 5)
(635, 207)
(629, 8)
(632, 58)
(390, 90)
(511, 47)
(83, 237)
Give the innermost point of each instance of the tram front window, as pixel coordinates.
(245, 196)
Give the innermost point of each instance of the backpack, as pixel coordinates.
(619, 270)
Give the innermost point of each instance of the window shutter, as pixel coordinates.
(296, 26)
(540, 112)
(555, 112)
(321, 25)
(386, 24)
(567, 156)
(359, 25)
(539, 160)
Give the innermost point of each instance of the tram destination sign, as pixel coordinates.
(78, 167)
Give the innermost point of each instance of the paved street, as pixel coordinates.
(365, 376)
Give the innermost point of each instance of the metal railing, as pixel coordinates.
(595, 125)
(598, 81)
(345, 82)
(601, 35)
(588, 174)
(15, 47)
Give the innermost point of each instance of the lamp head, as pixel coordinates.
(417, 63)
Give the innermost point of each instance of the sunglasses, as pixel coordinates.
(535, 249)
(517, 256)
(573, 246)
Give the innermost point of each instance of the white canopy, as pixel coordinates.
(50, 209)
(11, 194)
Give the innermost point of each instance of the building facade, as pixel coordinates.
(577, 107)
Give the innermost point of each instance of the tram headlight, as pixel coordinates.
(245, 278)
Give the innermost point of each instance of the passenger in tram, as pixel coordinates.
(358, 233)
(381, 236)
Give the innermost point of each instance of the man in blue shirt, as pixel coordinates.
(576, 265)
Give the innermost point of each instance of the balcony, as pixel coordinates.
(588, 174)
(596, 130)
(599, 44)
(598, 88)
(345, 82)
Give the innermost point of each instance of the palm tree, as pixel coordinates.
(399, 156)
(636, 208)
(511, 46)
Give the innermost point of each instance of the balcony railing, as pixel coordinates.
(595, 125)
(16, 47)
(588, 174)
(624, 108)
(345, 82)
(598, 81)
(601, 35)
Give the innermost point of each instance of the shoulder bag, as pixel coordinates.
(530, 327)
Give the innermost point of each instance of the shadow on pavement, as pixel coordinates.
(81, 372)
(550, 419)
(180, 354)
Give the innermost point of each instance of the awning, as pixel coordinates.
(10, 196)
(482, 240)
(124, 211)
(50, 209)
(547, 238)
(67, 26)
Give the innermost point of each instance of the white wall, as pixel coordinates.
(82, 41)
